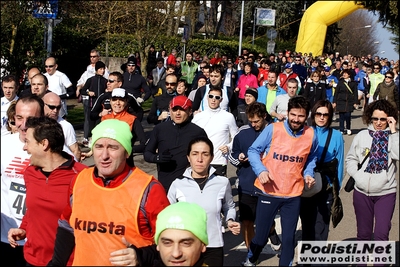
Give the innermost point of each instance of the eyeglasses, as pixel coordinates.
(217, 97)
(375, 119)
(111, 80)
(319, 114)
(131, 65)
(52, 107)
(11, 123)
(93, 56)
(178, 61)
(172, 84)
(48, 66)
(389, 77)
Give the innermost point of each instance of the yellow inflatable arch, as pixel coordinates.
(315, 21)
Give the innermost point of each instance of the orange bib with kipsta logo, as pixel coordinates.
(102, 216)
(285, 162)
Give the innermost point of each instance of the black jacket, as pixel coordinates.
(160, 104)
(103, 102)
(169, 137)
(134, 84)
(345, 99)
(314, 92)
(96, 84)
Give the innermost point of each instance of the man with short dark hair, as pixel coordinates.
(257, 120)
(280, 182)
(220, 126)
(14, 161)
(9, 86)
(230, 99)
(169, 140)
(52, 169)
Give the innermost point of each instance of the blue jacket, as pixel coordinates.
(262, 145)
(263, 93)
(241, 143)
(359, 78)
(335, 148)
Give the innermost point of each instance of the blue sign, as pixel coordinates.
(45, 9)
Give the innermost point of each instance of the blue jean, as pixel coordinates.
(368, 208)
(267, 208)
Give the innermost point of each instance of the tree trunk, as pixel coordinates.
(13, 37)
(178, 17)
(170, 13)
(219, 23)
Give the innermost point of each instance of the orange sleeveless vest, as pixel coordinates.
(285, 162)
(102, 216)
(122, 116)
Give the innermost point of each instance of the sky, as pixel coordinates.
(386, 49)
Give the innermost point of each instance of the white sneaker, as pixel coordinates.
(248, 263)
(348, 132)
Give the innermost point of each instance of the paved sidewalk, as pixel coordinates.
(235, 250)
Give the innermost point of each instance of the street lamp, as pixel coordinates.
(363, 27)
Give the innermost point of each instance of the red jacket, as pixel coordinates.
(171, 60)
(283, 78)
(46, 198)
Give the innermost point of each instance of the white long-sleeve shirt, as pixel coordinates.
(220, 126)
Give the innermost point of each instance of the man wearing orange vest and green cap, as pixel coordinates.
(110, 205)
(181, 239)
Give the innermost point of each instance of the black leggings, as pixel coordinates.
(214, 256)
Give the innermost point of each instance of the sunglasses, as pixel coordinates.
(93, 56)
(111, 80)
(217, 97)
(376, 68)
(48, 66)
(172, 84)
(178, 61)
(52, 107)
(11, 123)
(319, 114)
(379, 119)
(389, 77)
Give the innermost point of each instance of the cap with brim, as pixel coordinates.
(288, 66)
(180, 101)
(118, 92)
(131, 61)
(327, 69)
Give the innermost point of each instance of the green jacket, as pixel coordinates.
(188, 72)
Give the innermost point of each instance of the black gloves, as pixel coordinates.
(164, 157)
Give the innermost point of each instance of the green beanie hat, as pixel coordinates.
(185, 216)
(114, 129)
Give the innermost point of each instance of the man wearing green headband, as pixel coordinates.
(110, 205)
(181, 239)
